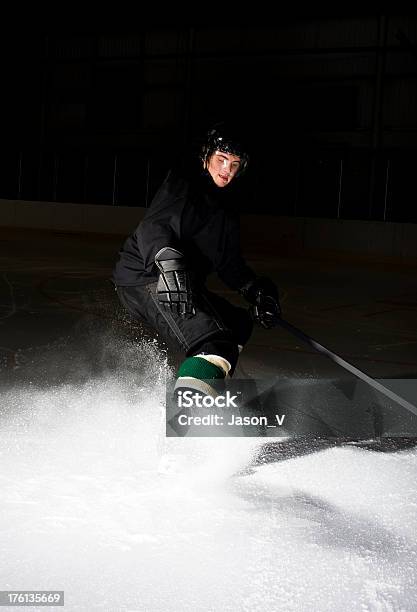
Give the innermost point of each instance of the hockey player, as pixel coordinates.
(189, 231)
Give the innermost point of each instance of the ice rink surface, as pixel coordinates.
(84, 508)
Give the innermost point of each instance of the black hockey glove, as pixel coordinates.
(174, 286)
(263, 295)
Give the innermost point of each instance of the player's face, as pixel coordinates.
(223, 167)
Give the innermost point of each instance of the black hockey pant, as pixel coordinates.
(218, 327)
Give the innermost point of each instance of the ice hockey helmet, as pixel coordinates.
(224, 137)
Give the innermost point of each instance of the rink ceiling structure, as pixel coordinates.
(330, 101)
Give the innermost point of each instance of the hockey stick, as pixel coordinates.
(348, 366)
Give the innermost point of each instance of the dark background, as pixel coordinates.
(330, 103)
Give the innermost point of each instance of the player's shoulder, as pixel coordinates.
(184, 178)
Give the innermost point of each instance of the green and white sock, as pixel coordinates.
(195, 371)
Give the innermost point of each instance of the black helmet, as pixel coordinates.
(224, 137)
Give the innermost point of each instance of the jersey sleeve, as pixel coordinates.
(161, 226)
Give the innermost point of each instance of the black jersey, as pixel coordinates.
(191, 214)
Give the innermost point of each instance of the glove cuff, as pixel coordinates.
(261, 284)
(248, 291)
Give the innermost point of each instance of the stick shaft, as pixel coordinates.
(348, 366)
